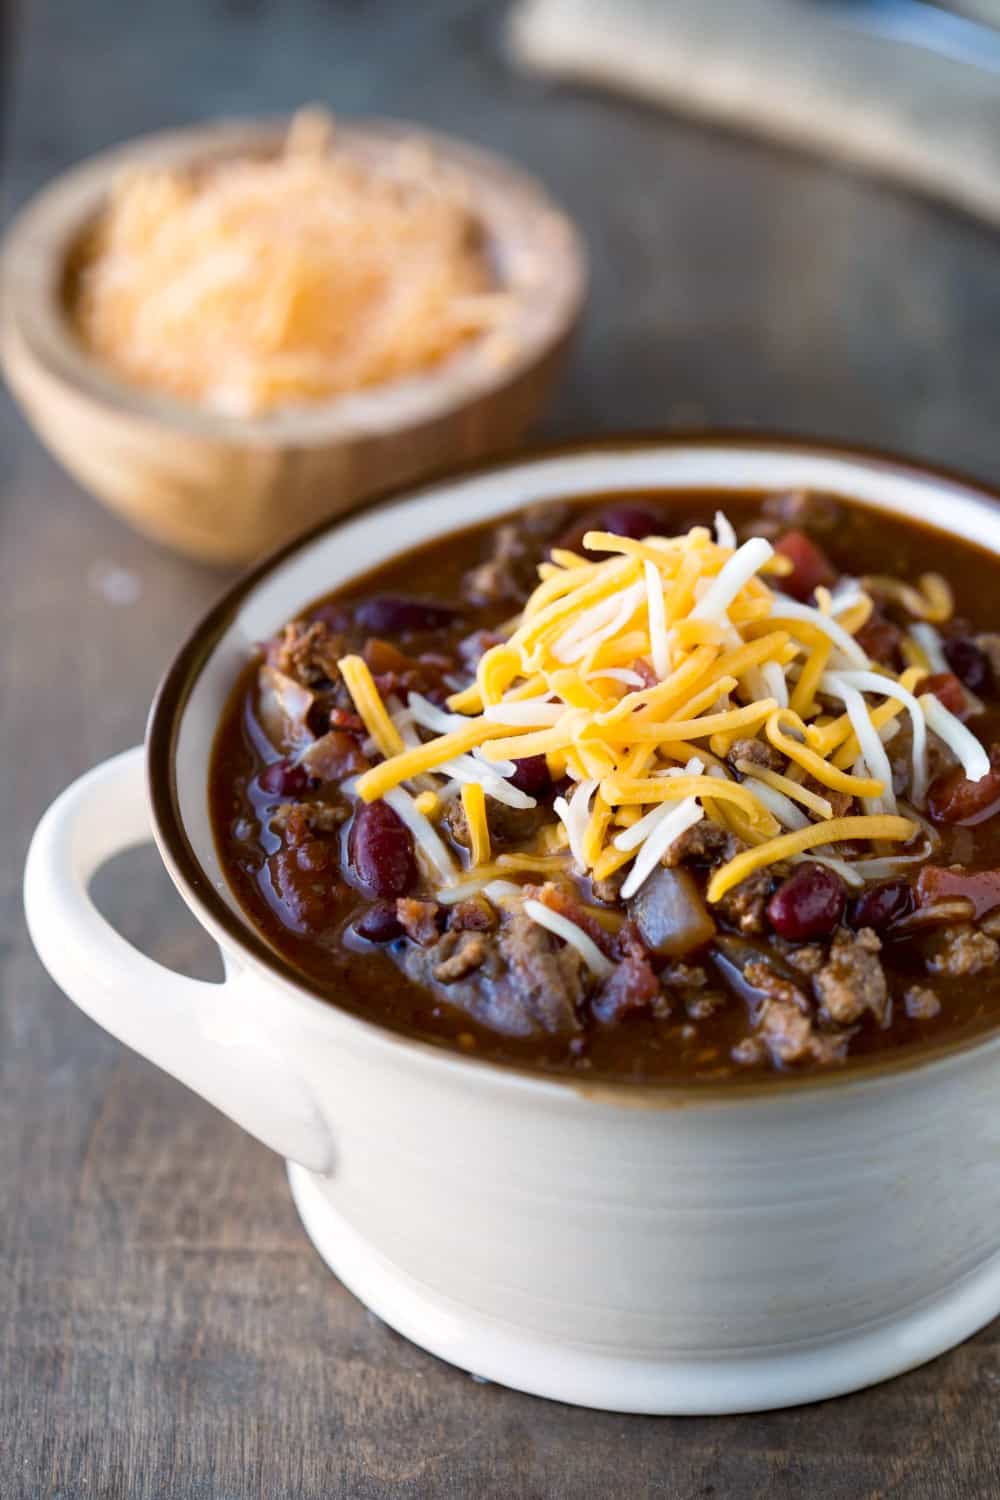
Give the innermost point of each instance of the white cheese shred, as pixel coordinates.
(575, 813)
(873, 758)
(570, 933)
(682, 816)
(659, 644)
(428, 841)
(734, 576)
(789, 609)
(874, 682)
(773, 674)
(784, 809)
(725, 536)
(974, 759)
(929, 641)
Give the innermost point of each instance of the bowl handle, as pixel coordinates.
(204, 1034)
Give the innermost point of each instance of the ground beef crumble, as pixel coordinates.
(306, 651)
(852, 980)
(418, 919)
(962, 950)
(921, 1003)
(744, 906)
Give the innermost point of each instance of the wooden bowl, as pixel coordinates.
(226, 489)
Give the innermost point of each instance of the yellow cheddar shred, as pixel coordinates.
(877, 826)
(474, 806)
(365, 695)
(636, 704)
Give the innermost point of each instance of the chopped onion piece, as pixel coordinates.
(874, 682)
(737, 572)
(975, 761)
(576, 815)
(572, 934)
(725, 536)
(283, 706)
(682, 816)
(428, 841)
(929, 641)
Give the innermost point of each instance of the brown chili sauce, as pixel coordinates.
(904, 963)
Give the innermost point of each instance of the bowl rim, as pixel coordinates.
(236, 933)
(36, 248)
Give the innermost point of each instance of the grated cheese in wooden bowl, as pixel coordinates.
(634, 671)
(256, 284)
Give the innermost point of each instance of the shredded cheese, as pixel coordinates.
(373, 713)
(260, 283)
(733, 660)
(666, 832)
(744, 864)
(474, 806)
(975, 761)
(430, 845)
(572, 934)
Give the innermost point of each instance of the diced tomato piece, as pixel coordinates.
(953, 798)
(810, 565)
(981, 887)
(947, 690)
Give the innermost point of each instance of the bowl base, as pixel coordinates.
(714, 1385)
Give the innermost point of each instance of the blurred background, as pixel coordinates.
(791, 215)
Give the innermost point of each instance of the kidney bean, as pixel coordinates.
(284, 779)
(392, 614)
(947, 690)
(336, 616)
(379, 923)
(881, 640)
(636, 521)
(381, 850)
(969, 664)
(304, 879)
(952, 798)
(531, 776)
(810, 565)
(880, 905)
(809, 904)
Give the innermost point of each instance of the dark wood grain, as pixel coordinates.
(165, 1328)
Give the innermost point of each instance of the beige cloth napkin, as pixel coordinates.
(790, 70)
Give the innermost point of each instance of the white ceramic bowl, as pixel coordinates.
(646, 1249)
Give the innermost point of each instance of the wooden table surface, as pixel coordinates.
(165, 1328)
